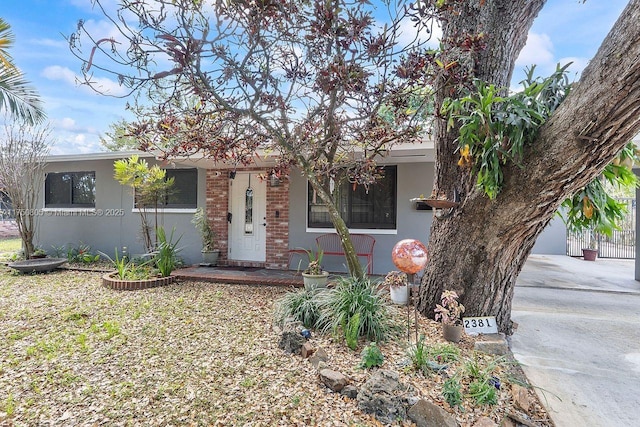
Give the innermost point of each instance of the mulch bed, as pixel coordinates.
(74, 352)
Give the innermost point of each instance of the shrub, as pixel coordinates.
(451, 391)
(350, 297)
(483, 392)
(371, 356)
(301, 305)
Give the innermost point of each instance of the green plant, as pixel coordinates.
(371, 356)
(418, 354)
(495, 129)
(351, 296)
(452, 392)
(301, 305)
(80, 254)
(122, 264)
(130, 269)
(352, 331)
(592, 209)
(207, 234)
(483, 392)
(450, 310)
(39, 252)
(149, 184)
(166, 255)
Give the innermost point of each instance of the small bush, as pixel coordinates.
(371, 356)
(302, 305)
(419, 354)
(483, 392)
(81, 254)
(351, 296)
(451, 391)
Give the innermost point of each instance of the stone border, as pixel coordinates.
(109, 281)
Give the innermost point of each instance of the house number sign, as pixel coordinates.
(480, 325)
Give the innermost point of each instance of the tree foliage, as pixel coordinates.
(148, 184)
(324, 86)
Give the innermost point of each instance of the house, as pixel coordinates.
(258, 219)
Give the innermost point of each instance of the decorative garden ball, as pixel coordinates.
(409, 255)
(306, 333)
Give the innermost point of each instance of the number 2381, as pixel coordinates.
(477, 323)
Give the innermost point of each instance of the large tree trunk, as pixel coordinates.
(481, 247)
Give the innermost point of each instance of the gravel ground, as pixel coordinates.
(75, 353)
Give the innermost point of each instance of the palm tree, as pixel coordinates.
(16, 94)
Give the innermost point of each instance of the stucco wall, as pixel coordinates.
(107, 232)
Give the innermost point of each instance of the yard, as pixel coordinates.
(75, 353)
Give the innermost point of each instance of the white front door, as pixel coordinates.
(248, 231)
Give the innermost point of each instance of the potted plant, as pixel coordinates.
(449, 313)
(314, 276)
(210, 252)
(591, 253)
(398, 287)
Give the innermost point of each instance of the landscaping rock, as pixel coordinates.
(291, 342)
(485, 422)
(492, 344)
(521, 397)
(350, 391)
(317, 363)
(322, 354)
(428, 414)
(385, 397)
(290, 324)
(333, 379)
(307, 350)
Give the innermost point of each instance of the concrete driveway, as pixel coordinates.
(578, 338)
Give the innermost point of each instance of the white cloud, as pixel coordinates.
(538, 50)
(576, 67)
(103, 84)
(56, 72)
(58, 44)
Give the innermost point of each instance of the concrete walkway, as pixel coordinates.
(578, 338)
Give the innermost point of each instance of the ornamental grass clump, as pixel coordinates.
(359, 299)
(301, 305)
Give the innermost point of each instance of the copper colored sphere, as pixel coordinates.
(409, 255)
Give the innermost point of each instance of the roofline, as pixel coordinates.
(105, 155)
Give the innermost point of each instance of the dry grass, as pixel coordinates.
(75, 353)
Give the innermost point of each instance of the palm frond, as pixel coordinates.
(17, 96)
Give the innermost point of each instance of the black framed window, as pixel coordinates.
(183, 194)
(372, 208)
(70, 190)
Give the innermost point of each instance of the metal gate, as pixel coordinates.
(621, 244)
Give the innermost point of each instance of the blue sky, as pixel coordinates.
(566, 30)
